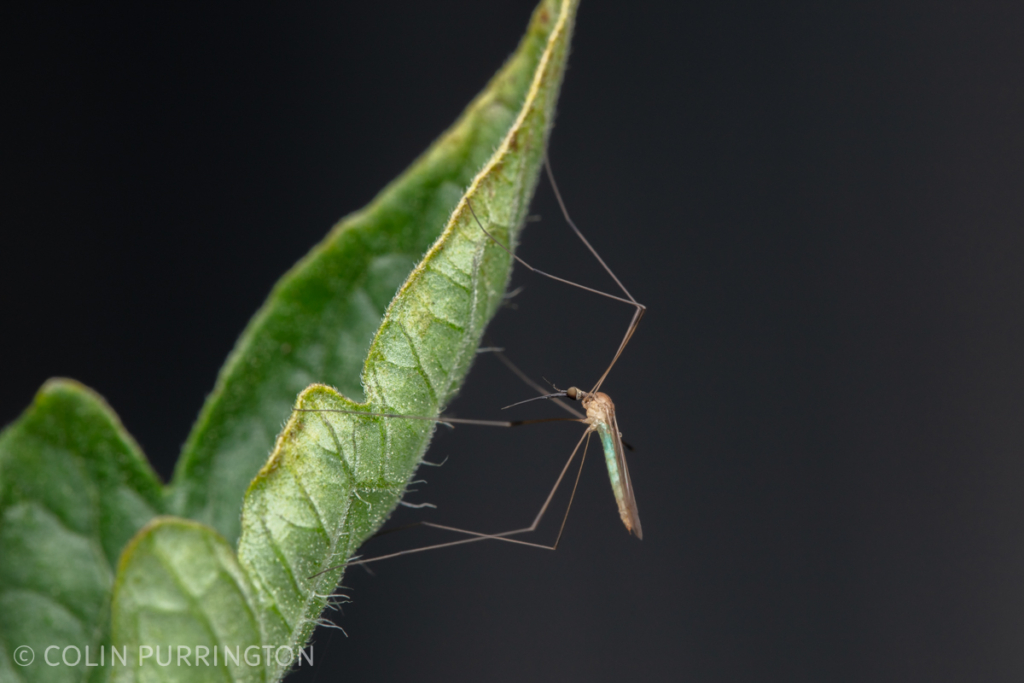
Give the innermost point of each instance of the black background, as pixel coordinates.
(822, 211)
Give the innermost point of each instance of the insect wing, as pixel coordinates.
(627, 485)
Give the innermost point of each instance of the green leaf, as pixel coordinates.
(180, 589)
(333, 478)
(74, 488)
(321, 317)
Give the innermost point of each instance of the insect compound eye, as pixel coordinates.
(574, 393)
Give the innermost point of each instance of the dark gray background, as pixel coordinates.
(822, 211)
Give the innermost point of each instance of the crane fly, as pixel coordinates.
(599, 416)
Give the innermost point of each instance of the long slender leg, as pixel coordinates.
(579, 233)
(572, 496)
(640, 308)
(637, 316)
(503, 536)
(447, 421)
(538, 270)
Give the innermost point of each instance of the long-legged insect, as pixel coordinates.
(599, 417)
